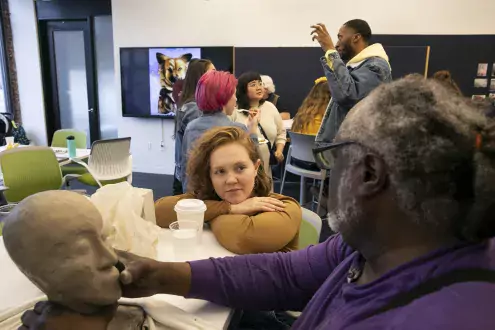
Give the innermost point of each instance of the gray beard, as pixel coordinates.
(344, 218)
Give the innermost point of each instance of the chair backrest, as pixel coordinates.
(60, 138)
(309, 233)
(302, 146)
(29, 170)
(111, 159)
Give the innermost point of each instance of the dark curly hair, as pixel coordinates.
(198, 166)
(445, 77)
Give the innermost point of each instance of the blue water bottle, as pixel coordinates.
(71, 146)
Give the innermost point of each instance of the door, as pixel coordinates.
(71, 98)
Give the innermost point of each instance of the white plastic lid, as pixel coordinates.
(190, 205)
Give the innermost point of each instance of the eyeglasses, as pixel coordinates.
(324, 156)
(257, 83)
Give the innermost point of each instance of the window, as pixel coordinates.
(5, 100)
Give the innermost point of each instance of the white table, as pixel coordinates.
(16, 289)
(62, 154)
(287, 124)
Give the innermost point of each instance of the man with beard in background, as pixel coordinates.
(353, 68)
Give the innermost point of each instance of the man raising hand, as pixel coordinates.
(353, 69)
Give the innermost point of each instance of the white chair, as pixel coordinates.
(301, 148)
(109, 162)
(309, 232)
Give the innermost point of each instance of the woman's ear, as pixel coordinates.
(257, 165)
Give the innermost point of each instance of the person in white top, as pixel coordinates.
(250, 93)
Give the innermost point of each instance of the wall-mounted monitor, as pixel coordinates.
(148, 76)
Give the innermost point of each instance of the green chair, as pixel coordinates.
(309, 232)
(27, 171)
(60, 141)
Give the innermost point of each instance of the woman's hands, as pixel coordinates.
(252, 121)
(52, 316)
(279, 152)
(255, 205)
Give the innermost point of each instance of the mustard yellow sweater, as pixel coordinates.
(264, 232)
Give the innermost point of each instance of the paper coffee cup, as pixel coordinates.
(191, 210)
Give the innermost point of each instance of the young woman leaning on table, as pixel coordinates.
(224, 170)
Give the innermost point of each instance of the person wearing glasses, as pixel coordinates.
(271, 132)
(353, 67)
(412, 198)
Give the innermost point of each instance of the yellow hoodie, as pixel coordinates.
(375, 50)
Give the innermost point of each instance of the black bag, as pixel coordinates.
(273, 159)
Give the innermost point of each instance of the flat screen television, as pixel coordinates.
(148, 76)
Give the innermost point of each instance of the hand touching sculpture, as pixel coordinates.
(54, 238)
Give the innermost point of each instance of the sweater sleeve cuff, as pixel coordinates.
(203, 274)
(330, 55)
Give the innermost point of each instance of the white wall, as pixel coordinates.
(27, 58)
(267, 23)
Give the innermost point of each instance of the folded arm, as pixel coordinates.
(276, 281)
(260, 233)
(165, 213)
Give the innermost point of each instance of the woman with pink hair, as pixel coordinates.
(215, 97)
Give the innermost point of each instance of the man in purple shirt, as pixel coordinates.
(411, 195)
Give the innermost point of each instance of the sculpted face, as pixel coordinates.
(55, 239)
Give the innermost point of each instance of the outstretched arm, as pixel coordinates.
(276, 281)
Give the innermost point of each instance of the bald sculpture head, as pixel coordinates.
(55, 239)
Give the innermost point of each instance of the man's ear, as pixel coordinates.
(356, 38)
(374, 175)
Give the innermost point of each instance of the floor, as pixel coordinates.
(162, 186)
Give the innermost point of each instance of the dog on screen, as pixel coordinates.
(171, 70)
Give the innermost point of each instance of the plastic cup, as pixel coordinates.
(184, 240)
(191, 210)
(9, 140)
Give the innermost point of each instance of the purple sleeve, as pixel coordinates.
(275, 281)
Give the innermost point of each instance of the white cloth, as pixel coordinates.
(122, 209)
(11, 319)
(167, 316)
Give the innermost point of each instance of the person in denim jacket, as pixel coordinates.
(353, 69)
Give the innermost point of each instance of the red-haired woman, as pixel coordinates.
(215, 97)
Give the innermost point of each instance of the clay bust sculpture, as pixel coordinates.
(54, 238)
